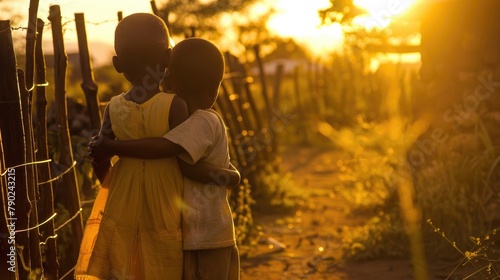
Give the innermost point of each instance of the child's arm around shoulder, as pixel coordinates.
(147, 148)
(160, 147)
(210, 174)
(196, 136)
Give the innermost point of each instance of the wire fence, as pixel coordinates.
(45, 229)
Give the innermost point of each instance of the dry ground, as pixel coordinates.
(306, 244)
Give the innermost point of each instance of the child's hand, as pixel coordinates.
(97, 162)
(99, 146)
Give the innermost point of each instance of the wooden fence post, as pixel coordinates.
(278, 76)
(155, 10)
(253, 106)
(237, 119)
(326, 77)
(44, 173)
(234, 71)
(236, 76)
(220, 107)
(301, 128)
(11, 127)
(30, 44)
(66, 152)
(263, 83)
(120, 16)
(312, 103)
(88, 84)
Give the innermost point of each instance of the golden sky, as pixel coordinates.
(294, 18)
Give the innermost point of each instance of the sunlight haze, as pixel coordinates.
(293, 18)
(381, 12)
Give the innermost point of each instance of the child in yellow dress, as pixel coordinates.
(139, 236)
(196, 71)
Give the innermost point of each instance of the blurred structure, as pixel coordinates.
(460, 75)
(460, 72)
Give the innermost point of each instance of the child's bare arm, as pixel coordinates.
(102, 164)
(147, 148)
(209, 174)
(159, 147)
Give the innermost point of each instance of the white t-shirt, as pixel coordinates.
(208, 221)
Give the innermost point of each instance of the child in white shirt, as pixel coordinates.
(196, 71)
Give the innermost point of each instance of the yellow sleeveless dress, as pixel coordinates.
(139, 236)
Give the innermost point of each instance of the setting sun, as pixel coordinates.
(300, 20)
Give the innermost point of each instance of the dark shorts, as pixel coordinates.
(212, 264)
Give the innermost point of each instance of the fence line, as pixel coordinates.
(24, 164)
(237, 105)
(38, 225)
(60, 175)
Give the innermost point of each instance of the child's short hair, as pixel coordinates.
(197, 62)
(141, 36)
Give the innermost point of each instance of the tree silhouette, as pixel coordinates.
(342, 11)
(184, 16)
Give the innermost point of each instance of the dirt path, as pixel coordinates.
(307, 245)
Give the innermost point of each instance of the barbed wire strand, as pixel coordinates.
(68, 20)
(46, 84)
(67, 273)
(92, 22)
(47, 239)
(23, 28)
(69, 220)
(58, 176)
(24, 164)
(37, 226)
(84, 202)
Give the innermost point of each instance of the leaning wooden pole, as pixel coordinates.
(66, 152)
(231, 62)
(11, 127)
(278, 78)
(301, 127)
(88, 85)
(44, 174)
(155, 11)
(247, 81)
(233, 139)
(31, 180)
(154, 8)
(236, 79)
(30, 44)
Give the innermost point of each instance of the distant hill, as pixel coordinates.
(100, 52)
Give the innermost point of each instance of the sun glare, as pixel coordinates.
(380, 13)
(299, 20)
